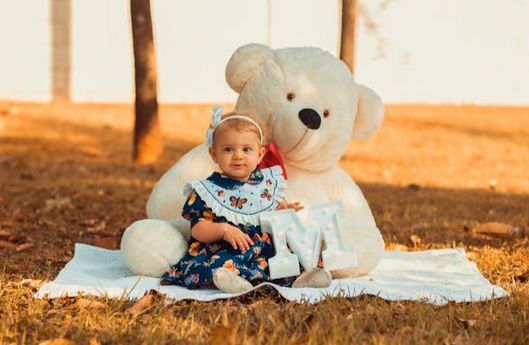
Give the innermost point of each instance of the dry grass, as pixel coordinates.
(433, 172)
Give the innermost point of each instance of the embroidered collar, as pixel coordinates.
(230, 183)
(241, 202)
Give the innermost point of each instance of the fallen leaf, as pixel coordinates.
(111, 242)
(223, 335)
(87, 303)
(50, 313)
(145, 303)
(97, 227)
(24, 246)
(7, 245)
(499, 230)
(5, 233)
(32, 283)
(415, 240)
(57, 341)
(467, 323)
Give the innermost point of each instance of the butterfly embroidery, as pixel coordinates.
(220, 193)
(268, 182)
(238, 202)
(266, 195)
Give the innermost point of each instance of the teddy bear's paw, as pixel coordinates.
(314, 278)
(228, 281)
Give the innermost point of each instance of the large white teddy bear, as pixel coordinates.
(312, 107)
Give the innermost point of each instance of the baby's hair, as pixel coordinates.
(241, 125)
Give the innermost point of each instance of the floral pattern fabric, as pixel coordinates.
(196, 268)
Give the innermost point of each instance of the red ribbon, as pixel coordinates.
(271, 158)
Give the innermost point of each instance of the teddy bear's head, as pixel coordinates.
(309, 100)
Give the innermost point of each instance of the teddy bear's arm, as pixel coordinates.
(341, 187)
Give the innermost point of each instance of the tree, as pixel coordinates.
(347, 46)
(148, 141)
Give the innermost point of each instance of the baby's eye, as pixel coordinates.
(247, 149)
(227, 149)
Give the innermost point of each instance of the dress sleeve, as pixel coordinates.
(195, 209)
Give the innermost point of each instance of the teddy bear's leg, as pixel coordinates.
(315, 278)
(365, 237)
(150, 246)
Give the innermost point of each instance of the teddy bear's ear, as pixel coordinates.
(244, 62)
(369, 115)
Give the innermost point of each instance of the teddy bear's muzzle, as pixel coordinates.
(310, 118)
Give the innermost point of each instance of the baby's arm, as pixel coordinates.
(207, 231)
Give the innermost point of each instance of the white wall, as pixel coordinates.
(450, 51)
(426, 51)
(24, 50)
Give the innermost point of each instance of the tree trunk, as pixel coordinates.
(347, 47)
(148, 142)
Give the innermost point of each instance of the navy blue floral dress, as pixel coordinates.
(196, 268)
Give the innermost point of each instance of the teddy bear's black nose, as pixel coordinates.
(310, 118)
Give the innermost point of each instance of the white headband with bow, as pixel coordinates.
(216, 121)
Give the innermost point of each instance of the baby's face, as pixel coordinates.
(236, 152)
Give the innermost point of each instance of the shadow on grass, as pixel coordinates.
(442, 216)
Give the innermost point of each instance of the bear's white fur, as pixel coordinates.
(264, 77)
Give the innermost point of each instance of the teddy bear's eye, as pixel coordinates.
(290, 96)
(326, 113)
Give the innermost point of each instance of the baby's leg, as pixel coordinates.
(228, 281)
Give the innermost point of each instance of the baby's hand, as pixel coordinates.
(238, 239)
(296, 206)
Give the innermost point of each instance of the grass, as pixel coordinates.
(432, 172)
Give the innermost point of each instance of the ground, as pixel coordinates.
(431, 176)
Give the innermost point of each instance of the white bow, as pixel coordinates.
(215, 120)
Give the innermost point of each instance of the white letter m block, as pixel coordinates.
(305, 240)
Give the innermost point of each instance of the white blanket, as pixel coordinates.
(434, 276)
